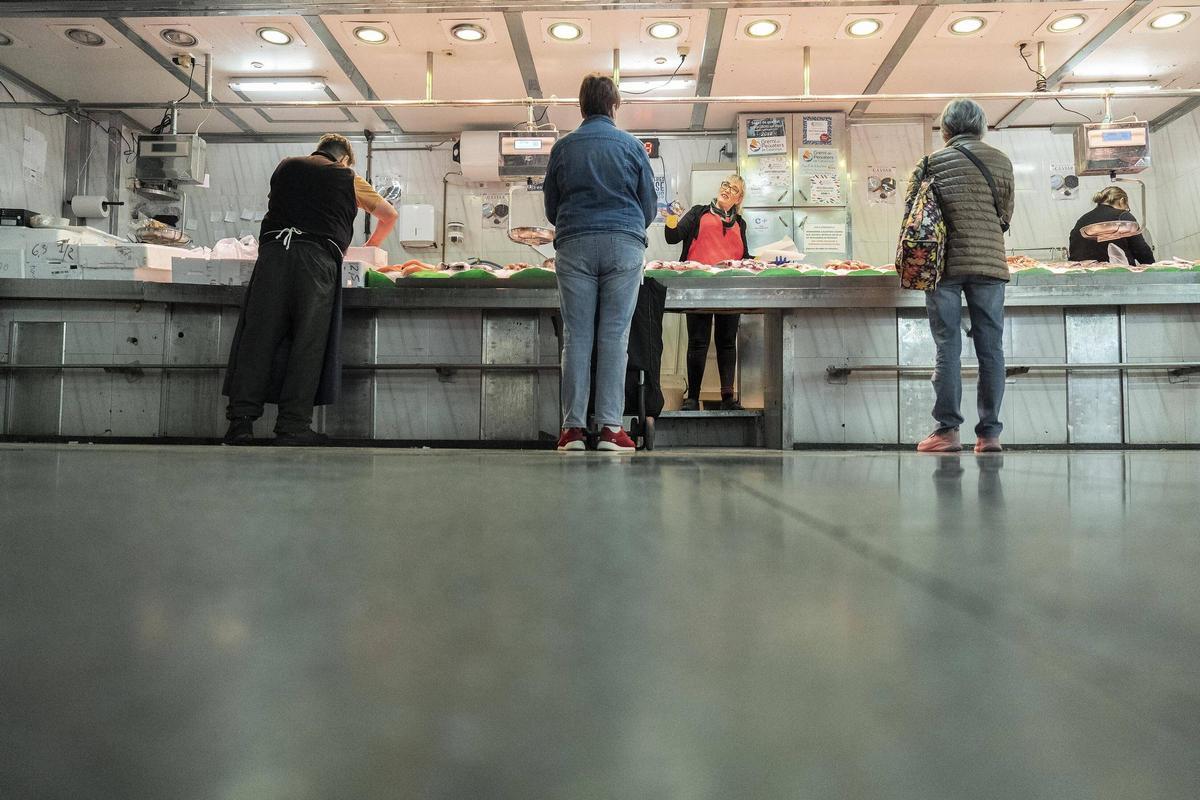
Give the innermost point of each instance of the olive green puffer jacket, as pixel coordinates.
(974, 239)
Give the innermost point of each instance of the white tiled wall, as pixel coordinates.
(1041, 223)
(1175, 156)
(44, 195)
(241, 173)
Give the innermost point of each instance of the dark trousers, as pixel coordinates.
(290, 299)
(985, 304)
(700, 327)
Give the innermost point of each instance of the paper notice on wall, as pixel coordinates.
(771, 179)
(759, 222)
(826, 190)
(1064, 183)
(660, 192)
(766, 136)
(33, 156)
(817, 130)
(823, 237)
(818, 177)
(494, 210)
(881, 186)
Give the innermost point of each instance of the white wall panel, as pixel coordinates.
(241, 174)
(17, 190)
(1175, 174)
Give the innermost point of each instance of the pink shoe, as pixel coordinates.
(615, 441)
(940, 442)
(988, 444)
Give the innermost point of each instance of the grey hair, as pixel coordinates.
(963, 116)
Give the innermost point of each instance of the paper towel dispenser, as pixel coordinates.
(415, 227)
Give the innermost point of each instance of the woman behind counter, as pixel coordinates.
(711, 234)
(1112, 204)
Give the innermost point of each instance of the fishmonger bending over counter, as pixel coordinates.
(286, 346)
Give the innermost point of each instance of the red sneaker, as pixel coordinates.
(940, 442)
(572, 439)
(988, 444)
(617, 441)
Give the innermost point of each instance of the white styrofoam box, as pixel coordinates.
(146, 274)
(47, 250)
(416, 226)
(195, 270)
(234, 271)
(373, 256)
(12, 263)
(354, 274)
(127, 255)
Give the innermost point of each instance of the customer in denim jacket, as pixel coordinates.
(600, 197)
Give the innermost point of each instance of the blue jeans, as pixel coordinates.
(985, 303)
(598, 279)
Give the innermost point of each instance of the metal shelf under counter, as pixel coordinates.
(807, 324)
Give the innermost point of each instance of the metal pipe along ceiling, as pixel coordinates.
(811, 99)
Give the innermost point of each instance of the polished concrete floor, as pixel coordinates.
(260, 624)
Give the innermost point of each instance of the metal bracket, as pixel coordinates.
(837, 375)
(1182, 375)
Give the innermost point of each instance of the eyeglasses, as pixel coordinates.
(726, 186)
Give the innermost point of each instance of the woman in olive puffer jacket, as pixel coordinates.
(977, 212)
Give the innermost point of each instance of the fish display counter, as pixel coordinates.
(840, 356)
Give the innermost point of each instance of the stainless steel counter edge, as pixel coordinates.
(1160, 288)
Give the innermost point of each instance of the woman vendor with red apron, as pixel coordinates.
(711, 234)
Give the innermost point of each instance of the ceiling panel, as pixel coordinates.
(240, 53)
(116, 72)
(396, 69)
(1171, 58)
(936, 61)
(561, 66)
(776, 66)
(990, 61)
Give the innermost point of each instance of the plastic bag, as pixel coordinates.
(245, 248)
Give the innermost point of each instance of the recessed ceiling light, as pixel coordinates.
(5, 40)
(370, 35)
(1067, 23)
(1172, 19)
(862, 28)
(762, 28)
(468, 32)
(85, 37)
(664, 30)
(178, 38)
(274, 36)
(965, 26)
(566, 31)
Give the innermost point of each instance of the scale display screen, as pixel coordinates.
(525, 154)
(1107, 148)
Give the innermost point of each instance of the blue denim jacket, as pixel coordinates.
(599, 181)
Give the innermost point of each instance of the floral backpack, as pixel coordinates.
(921, 255)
